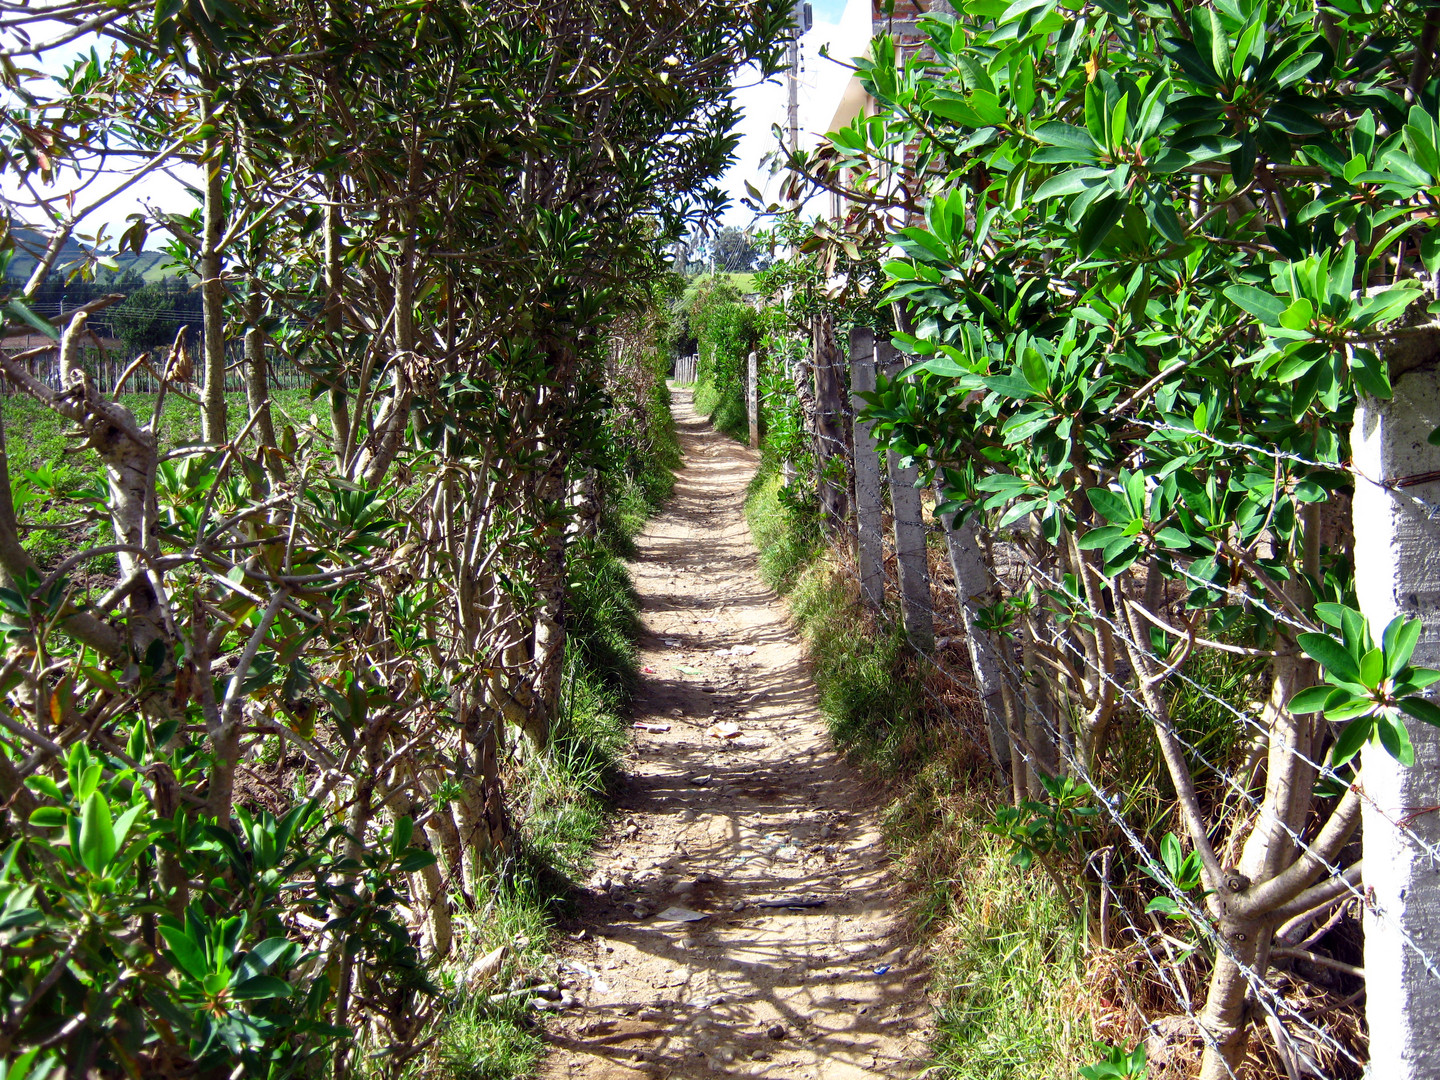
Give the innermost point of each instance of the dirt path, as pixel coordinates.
(724, 827)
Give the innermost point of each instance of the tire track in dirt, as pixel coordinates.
(722, 824)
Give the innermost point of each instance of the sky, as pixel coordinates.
(842, 25)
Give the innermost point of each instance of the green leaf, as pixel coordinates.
(1310, 700)
(416, 859)
(1070, 182)
(1420, 709)
(1399, 641)
(1395, 739)
(1110, 505)
(1067, 135)
(97, 834)
(1098, 538)
(261, 986)
(1032, 367)
(400, 838)
(1331, 655)
(20, 312)
(1164, 905)
(1421, 677)
(1022, 85)
(124, 823)
(187, 955)
(1430, 249)
(1264, 306)
(1099, 219)
(49, 817)
(1298, 315)
(1096, 116)
(1219, 42)
(1372, 375)
(1372, 668)
(1354, 736)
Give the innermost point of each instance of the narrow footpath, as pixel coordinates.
(740, 919)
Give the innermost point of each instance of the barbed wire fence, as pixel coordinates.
(1301, 986)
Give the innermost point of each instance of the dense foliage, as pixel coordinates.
(257, 717)
(1148, 260)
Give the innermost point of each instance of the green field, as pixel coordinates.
(46, 453)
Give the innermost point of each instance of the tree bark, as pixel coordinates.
(213, 426)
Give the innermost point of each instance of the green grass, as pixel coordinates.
(638, 482)
(1009, 961)
(724, 408)
(43, 444)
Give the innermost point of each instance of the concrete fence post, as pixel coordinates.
(911, 561)
(830, 440)
(973, 585)
(1397, 572)
(752, 398)
(869, 502)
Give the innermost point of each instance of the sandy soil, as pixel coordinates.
(731, 826)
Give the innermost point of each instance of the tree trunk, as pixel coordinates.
(257, 383)
(830, 440)
(213, 427)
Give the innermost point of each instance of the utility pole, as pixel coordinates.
(793, 79)
(804, 19)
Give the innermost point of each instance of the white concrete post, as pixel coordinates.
(1397, 571)
(972, 586)
(869, 508)
(911, 561)
(752, 399)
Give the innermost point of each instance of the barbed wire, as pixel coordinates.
(1270, 999)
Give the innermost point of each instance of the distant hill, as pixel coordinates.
(149, 266)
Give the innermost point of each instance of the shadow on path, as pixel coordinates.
(738, 804)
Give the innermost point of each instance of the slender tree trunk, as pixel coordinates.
(257, 382)
(213, 426)
(341, 434)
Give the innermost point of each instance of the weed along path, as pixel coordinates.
(740, 919)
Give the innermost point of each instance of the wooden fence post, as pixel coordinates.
(869, 542)
(752, 399)
(911, 560)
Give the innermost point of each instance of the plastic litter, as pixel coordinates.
(680, 914)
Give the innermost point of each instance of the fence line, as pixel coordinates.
(1300, 1030)
(106, 366)
(686, 368)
